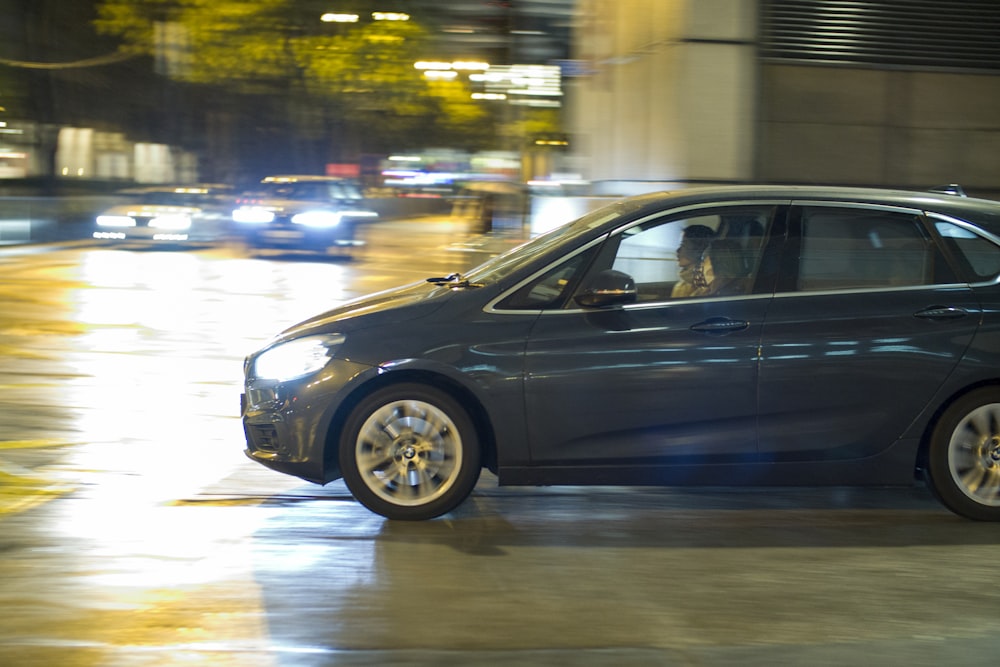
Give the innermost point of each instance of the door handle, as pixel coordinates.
(720, 326)
(941, 313)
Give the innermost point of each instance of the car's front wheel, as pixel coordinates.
(964, 456)
(409, 452)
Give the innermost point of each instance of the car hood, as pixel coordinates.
(400, 304)
(292, 206)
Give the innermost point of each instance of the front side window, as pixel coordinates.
(551, 288)
(709, 253)
(852, 248)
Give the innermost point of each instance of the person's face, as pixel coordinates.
(686, 256)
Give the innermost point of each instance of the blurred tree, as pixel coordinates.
(531, 123)
(350, 87)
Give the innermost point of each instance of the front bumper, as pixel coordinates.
(141, 235)
(290, 426)
(156, 235)
(285, 235)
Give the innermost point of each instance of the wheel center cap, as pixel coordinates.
(409, 451)
(993, 448)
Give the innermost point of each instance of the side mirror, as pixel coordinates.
(609, 288)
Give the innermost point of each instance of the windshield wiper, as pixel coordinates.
(453, 280)
(445, 279)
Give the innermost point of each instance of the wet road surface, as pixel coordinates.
(135, 532)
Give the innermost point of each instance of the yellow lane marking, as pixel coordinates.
(22, 353)
(217, 502)
(31, 444)
(22, 489)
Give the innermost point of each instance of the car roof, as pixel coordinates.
(188, 188)
(295, 178)
(982, 211)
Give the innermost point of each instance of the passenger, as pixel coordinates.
(724, 269)
(694, 241)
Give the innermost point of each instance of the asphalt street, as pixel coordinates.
(134, 532)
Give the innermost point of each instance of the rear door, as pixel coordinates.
(867, 322)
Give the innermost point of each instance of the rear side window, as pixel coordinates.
(980, 257)
(850, 248)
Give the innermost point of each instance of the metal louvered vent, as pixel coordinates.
(917, 34)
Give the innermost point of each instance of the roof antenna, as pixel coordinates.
(950, 189)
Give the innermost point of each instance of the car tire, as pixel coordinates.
(964, 456)
(410, 452)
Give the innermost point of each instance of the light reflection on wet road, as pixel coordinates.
(136, 533)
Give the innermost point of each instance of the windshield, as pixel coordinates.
(501, 266)
(310, 190)
(168, 198)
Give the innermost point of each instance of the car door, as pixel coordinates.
(867, 321)
(659, 381)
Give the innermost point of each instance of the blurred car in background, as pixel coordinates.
(316, 214)
(168, 214)
(493, 205)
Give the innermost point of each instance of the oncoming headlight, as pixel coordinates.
(296, 358)
(115, 221)
(171, 221)
(253, 215)
(317, 219)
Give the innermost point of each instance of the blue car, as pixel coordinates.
(801, 336)
(313, 214)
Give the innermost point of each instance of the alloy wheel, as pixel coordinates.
(409, 452)
(974, 455)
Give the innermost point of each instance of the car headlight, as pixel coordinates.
(296, 358)
(115, 221)
(317, 218)
(253, 214)
(171, 221)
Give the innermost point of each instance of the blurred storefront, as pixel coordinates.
(83, 153)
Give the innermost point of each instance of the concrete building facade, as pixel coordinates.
(691, 91)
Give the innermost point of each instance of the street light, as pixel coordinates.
(432, 65)
(331, 17)
(434, 69)
(440, 74)
(470, 66)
